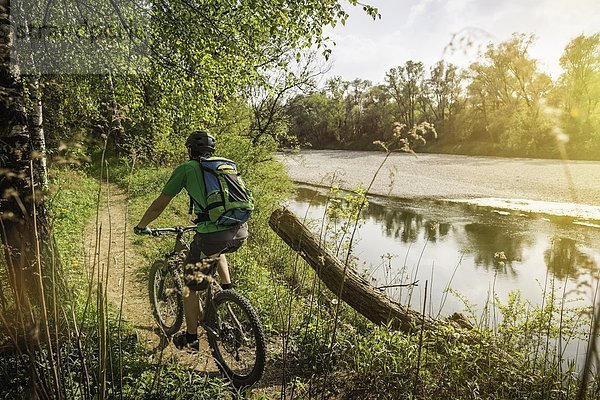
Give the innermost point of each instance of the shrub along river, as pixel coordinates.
(467, 254)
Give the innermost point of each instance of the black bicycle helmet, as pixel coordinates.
(200, 142)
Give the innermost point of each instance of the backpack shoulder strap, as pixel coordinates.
(203, 216)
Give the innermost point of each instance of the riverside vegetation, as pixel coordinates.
(60, 336)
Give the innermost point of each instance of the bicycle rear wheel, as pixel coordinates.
(236, 338)
(166, 298)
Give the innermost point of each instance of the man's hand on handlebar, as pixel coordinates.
(142, 231)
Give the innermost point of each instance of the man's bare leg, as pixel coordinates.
(223, 269)
(191, 310)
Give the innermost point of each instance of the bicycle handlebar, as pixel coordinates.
(176, 230)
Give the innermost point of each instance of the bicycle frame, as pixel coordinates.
(182, 246)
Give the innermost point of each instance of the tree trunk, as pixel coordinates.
(26, 239)
(14, 164)
(356, 291)
(36, 127)
(23, 226)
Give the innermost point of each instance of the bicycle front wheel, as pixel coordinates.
(166, 298)
(236, 338)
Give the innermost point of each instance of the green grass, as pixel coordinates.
(71, 204)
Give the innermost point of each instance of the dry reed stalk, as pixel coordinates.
(42, 291)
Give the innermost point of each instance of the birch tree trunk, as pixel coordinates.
(36, 128)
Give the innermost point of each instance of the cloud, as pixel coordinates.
(457, 7)
(366, 58)
(417, 10)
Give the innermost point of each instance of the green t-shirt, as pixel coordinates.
(189, 176)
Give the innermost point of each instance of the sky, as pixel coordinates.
(421, 30)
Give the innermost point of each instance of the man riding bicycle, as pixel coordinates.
(211, 239)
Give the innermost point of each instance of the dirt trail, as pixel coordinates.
(120, 264)
(117, 260)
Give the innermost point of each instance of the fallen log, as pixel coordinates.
(342, 280)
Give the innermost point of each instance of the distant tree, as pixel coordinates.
(313, 120)
(378, 117)
(443, 98)
(355, 108)
(336, 91)
(505, 96)
(405, 85)
(267, 97)
(580, 90)
(443, 90)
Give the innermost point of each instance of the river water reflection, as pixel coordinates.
(470, 250)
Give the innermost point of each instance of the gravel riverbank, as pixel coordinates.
(457, 177)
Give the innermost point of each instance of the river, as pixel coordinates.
(448, 221)
(570, 188)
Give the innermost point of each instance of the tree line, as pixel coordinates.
(502, 104)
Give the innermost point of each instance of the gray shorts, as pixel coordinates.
(211, 244)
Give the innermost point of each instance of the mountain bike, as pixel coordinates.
(233, 329)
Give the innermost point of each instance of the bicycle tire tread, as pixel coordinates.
(167, 330)
(239, 381)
